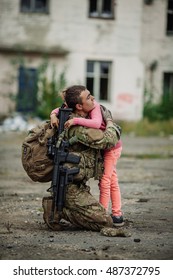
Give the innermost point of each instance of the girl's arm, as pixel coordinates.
(95, 120)
(53, 118)
(55, 111)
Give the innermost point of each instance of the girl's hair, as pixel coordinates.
(72, 96)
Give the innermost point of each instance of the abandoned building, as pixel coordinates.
(119, 49)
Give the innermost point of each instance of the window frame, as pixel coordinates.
(32, 8)
(97, 77)
(99, 11)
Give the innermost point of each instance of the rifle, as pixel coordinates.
(62, 175)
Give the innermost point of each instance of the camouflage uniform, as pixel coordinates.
(81, 208)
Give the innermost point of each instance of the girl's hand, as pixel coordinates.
(54, 121)
(69, 123)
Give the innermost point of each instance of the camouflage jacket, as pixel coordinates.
(88, 143)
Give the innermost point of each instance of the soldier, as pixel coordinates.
(81, 208)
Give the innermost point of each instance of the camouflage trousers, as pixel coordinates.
(81, 209)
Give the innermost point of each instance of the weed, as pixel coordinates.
(8, 226)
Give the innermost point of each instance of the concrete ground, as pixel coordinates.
(146, 179)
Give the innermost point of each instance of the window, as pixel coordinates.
(168, 86)
(34, 6)
(98, 79)
(27, 94)
(101, 9)
(169, 27)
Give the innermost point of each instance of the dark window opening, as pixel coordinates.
(101, 9)
(27, 93)
(93, 8)
(34, 6)
(104, 67)
(169, 27)
(106, 8)
(90, 66)
(90, 85)
(168, 87)
(103, 89)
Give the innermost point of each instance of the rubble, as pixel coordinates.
(19, 123)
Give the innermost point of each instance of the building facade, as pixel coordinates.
(118, 49)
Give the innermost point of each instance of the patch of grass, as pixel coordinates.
(147, 156)
(148, 128)
(40, 209)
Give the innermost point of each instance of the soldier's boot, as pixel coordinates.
(51, 219)
(115, 232)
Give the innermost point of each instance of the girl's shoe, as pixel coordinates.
(117, 221)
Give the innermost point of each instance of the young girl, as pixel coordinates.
(108, 185)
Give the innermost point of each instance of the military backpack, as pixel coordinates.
(35, 160)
